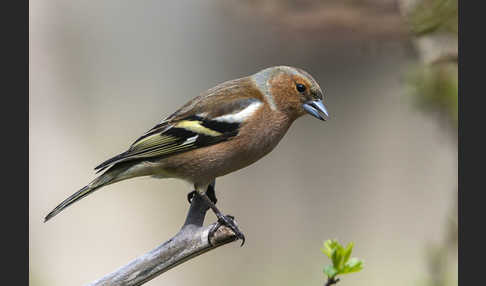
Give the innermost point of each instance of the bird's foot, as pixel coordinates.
(211, 195)
(190, 196)
(229, 221)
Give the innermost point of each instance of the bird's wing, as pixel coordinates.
(197, 124)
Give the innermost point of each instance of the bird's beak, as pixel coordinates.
(317, 109)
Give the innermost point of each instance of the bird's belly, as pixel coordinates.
(204, 164)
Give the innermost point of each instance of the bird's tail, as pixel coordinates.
(112, 175)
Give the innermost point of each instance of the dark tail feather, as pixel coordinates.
(67, 202)
(110, 176)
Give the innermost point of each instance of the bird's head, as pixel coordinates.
(291, 90)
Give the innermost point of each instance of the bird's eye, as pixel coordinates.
(300, 87)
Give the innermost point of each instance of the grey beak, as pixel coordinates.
(317, 109)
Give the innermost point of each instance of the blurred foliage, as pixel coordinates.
(430, 16)
(342, 263)
(435, 84)
(439, 257)
(435, 87)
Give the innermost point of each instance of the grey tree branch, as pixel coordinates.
(192, 240)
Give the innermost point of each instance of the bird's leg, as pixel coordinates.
(210, 193)
(226, 220)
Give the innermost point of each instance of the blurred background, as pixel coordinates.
(382, 172)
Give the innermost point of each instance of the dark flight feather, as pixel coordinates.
(178, 134)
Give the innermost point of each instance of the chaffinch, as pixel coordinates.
(224, 129)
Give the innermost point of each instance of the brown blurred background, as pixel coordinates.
(382, 172)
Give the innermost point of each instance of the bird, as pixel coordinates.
(224, 129)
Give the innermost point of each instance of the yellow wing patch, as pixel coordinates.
(196, 127)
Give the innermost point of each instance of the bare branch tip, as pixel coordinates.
(221, 234)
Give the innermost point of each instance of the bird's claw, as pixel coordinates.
(229, 221)
(190, 196)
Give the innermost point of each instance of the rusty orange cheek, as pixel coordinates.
(284, 94)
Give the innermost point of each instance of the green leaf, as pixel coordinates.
(329, 245)
(337, 258)
(347, 252)
(353, 265)
(330, 271)
(326, 251)
(340, 257)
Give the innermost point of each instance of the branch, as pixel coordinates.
(331, 281)
(343, 21)
(192, 240)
